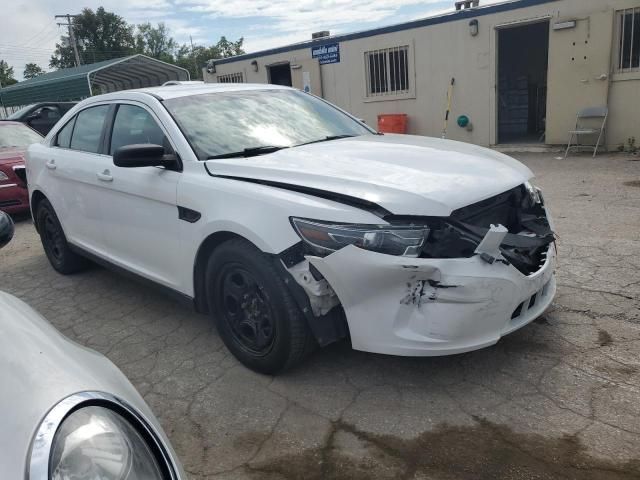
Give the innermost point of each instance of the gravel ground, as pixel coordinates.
(556, 399)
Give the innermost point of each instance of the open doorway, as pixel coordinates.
(280, 74)
(523, 57)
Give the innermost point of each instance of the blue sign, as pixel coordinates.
(328, 53)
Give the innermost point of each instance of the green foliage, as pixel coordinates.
(6, 74)
(155, 42)
(32, 70)
(103, 35)
(100, 35)
(194, 60)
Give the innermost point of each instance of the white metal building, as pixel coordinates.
(522, 70)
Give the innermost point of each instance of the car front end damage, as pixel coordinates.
(480, 273)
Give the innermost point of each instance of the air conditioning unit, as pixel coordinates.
(467, 4)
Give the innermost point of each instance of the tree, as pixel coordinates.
(100, 35)
(195, 59)
(155, 42)
(32, 70)
(6, 74)
(229, 49)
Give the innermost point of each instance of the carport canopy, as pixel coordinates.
(68, 84)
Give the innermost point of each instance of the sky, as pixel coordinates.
(29, 32)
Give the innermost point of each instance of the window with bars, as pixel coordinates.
(387, 71)
(231, 78)
(628, 40)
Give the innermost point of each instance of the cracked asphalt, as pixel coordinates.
(559, 398)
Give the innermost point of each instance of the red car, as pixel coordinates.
(15, 137)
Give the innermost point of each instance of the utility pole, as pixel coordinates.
(72, 35)
(195, 61)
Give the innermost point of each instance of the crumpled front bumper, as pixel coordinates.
(424, 307)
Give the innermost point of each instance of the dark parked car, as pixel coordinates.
(41, 116)
(14, 140)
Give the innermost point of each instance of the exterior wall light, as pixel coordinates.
(254, 64)
(473, 27)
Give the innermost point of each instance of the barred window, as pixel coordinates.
(387, 71)
(628, 24)
(231, 78)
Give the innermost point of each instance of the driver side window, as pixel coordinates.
(134, 125)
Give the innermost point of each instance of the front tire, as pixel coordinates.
(54, 241)
(256, 316)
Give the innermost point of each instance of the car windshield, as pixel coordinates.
(17, 136)
(17, 114)
(252, 122)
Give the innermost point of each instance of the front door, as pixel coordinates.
(139, 209)
(579, 68)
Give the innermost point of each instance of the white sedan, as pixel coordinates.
(67, 411)
(294, 224)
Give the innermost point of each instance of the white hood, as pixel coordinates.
(405, 174)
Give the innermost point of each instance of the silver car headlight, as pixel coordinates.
(325, 237)
(95, 436)
(3, 176)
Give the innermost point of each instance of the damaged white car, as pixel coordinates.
(294, 224)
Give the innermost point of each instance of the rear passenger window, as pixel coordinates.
(88, 130)
(134, 125)
(64, 135)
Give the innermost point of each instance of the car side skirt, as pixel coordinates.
(180, 297)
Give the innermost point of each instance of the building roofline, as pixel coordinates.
(423, 22)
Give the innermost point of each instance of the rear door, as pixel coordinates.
(139, 208)
(72, 184)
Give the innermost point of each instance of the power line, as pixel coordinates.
(39, 36)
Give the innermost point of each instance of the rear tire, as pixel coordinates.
(54, 241)
(256, 316)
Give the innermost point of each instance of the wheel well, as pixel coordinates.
(200, 266)
(36, 198)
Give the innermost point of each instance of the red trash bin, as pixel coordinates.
(392, 123)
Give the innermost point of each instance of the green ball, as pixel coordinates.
(463, 121)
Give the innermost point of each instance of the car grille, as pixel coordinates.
(514, 209)
(9, 203)
(530, 302)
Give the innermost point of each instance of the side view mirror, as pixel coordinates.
(6, 229)
(143, 155)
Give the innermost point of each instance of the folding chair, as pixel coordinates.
(589, 116)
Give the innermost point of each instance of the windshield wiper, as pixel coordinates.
(249, 152)
(326, 139)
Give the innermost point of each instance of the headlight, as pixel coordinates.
(96, 436)
(534, 192)
(326, 237)
(94, 443)
(3, 176)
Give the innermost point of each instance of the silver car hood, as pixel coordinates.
(38, 368)
(404, 174)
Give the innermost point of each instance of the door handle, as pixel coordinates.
(51, 164)
(105, 176)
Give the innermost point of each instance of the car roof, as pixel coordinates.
(184, 90)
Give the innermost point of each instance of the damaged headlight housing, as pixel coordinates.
(326, 237)
(534, 192)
